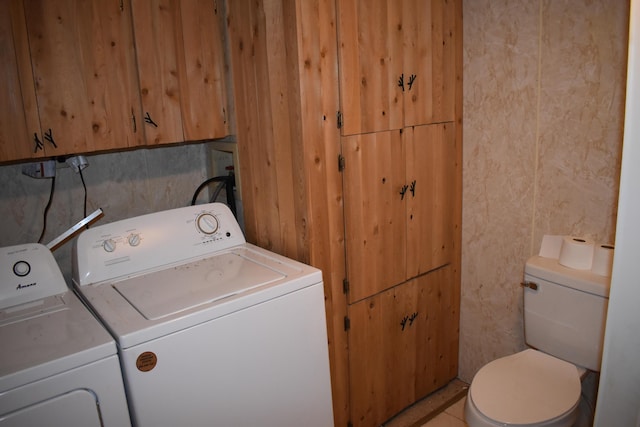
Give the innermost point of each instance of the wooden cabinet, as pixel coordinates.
(79, 89)
(181, 68)
(399, 205)
(85, 74)
(397, 63)
(19, 119)
(402, 346)
(78, 81)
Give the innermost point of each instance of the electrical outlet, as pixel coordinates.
(77, 163)
(44, 169)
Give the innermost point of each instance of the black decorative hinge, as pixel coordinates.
(339, 120)
(345, 286)
(340, 162)
(347, 323)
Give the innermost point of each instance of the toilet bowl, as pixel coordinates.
(529, 388)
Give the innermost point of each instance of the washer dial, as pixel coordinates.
(207, 223)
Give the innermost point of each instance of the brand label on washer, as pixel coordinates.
(146, 361)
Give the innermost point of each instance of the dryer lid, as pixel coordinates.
(526, 388)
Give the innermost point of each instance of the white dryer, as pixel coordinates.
(58, 365)
(212, 331)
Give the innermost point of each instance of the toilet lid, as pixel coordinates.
(526, 388)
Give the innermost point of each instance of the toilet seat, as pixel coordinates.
(529, 387)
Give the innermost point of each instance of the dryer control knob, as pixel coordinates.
(109, 245)
(207, 223)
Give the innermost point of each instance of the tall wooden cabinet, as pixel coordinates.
(349, 128)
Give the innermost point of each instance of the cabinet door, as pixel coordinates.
(429, 61)
(397, 63)
(401, 346)
(431, 172)
(374, 175)
(85, 73)
(181, 69)
(371, 60)
(202, 80)
(19, 119)
(157, 26)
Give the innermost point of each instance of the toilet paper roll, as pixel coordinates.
(602, 259)
(576, 253)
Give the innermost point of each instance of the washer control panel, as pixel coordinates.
(131, 246)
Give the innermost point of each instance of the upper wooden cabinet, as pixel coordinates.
(85, 74)
(399, 205)
(397, 63)
(19, 119)
(181, 67)
(77, 80)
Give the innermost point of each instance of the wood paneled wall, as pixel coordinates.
(285, 71)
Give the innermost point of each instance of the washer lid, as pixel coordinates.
(525, 388)
(164, 293)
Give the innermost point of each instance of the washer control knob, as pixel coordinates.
(207, 223)
(109, 245)
(21, 268)
(134, 239)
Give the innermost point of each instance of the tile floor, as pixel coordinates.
(453, 416)
(442, 408)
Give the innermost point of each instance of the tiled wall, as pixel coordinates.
(544, 84)
(123, 184)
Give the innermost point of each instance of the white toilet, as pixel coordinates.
(564, 319)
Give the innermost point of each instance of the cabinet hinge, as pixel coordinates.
(347, 323)
(349, 424)
(339, 121)
(345, 286)
(340, 162)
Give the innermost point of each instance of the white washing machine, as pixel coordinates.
(58, 365)
(212, 331)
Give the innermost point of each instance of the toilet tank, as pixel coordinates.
(565, 316)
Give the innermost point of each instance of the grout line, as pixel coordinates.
(441, 408)
(536, 159)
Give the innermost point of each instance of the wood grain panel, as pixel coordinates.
(284, 67)
(371, 62)
(431, 164)
(323, 226)
(374, 212)
(19, 118)
(400, 344)
(202, 78)
(157, 27)
(84, 68)
(429, 37)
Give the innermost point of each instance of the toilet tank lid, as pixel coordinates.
(550, 270)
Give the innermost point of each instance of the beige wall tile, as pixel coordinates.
(543, 104)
